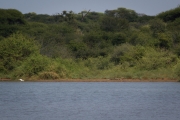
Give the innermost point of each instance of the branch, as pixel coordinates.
(83, 16)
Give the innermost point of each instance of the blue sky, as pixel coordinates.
(149, 7)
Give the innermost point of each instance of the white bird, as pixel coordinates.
(21, 80)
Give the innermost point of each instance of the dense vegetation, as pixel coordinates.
(118, 43)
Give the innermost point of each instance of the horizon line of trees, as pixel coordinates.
(120, 35)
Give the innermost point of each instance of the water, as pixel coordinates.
(89, 101)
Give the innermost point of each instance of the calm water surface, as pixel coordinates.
(89, 101)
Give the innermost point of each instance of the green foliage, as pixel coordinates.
(94, 16)
(100, 63)
(115, 44)
(177, 70)
(176, 49)
(123, 13)
(142, 18)
(92, 39)
(164, 41)
(157, 26)
(15, 49)
(145, 29)
(60, 67)
(36, 29)
(170, 15)
(156, 59)
(79, 48)
(118, 38)
(142, 38)
(127, 53)
(174, 28)
(48, 75)
(32, 66)
(175, 25)
(98, 43)
(11, 21)
(11, 16)
(39, 64)
(111, 24)
(7, 30)
(44, 18)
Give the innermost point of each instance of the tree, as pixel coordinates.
(11, 17)
(170, 15)
(94, 16)
(174, 28)
(123, 13)
(92, 39)
(127, 53)
(111, 24)
(15, 49)
(79, 49)
(84, 14)
(118, 38)
(67, 16)
(157, 26)
(44, 18)
(165, 41)
(11, 20)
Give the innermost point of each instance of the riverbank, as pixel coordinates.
(96, 80)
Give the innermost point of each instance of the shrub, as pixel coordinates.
(155, 59)
(177, 70)
(170, 15)
(48, 75)
(99, 63)
(127, 53)
(15, 49)
(120, 51)
(59, 67)
(32, 66)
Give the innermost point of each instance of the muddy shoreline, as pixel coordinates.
(94, 80)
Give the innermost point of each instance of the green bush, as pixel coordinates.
(32, 66)
(119, 38)
(156, 59)
(99, 63)
(35, 64)
(59, 66)
(170, 15)
(48, 75)
(121, 51)
(127, 53)
(15, 49)
(165, 41)
(157, 26)
(177, 69)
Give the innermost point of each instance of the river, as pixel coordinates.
(89, 101)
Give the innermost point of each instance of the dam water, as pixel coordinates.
(89, 101)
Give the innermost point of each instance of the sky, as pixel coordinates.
(148, 7)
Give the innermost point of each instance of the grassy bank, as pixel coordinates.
(92, 69)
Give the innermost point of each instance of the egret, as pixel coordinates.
(21, 80)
